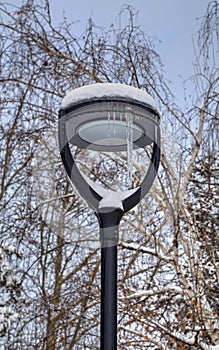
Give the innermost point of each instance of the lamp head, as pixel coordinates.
(100, 116)
(108, 118)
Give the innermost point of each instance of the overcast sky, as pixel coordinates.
(174, 22)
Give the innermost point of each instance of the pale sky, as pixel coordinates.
(174, 22)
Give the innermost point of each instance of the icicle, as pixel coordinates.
(108, 119)
(129, 142)
(114, 119)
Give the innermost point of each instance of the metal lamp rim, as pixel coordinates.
(80, 104)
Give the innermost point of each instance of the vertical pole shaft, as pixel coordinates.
(109, 219)
(108, 328)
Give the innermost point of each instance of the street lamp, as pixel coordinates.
(109, 118)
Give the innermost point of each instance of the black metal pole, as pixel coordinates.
(109, 219)
(108, 330)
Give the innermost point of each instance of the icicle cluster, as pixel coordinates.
(126, 117)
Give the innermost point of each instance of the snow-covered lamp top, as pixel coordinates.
(107, 91)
